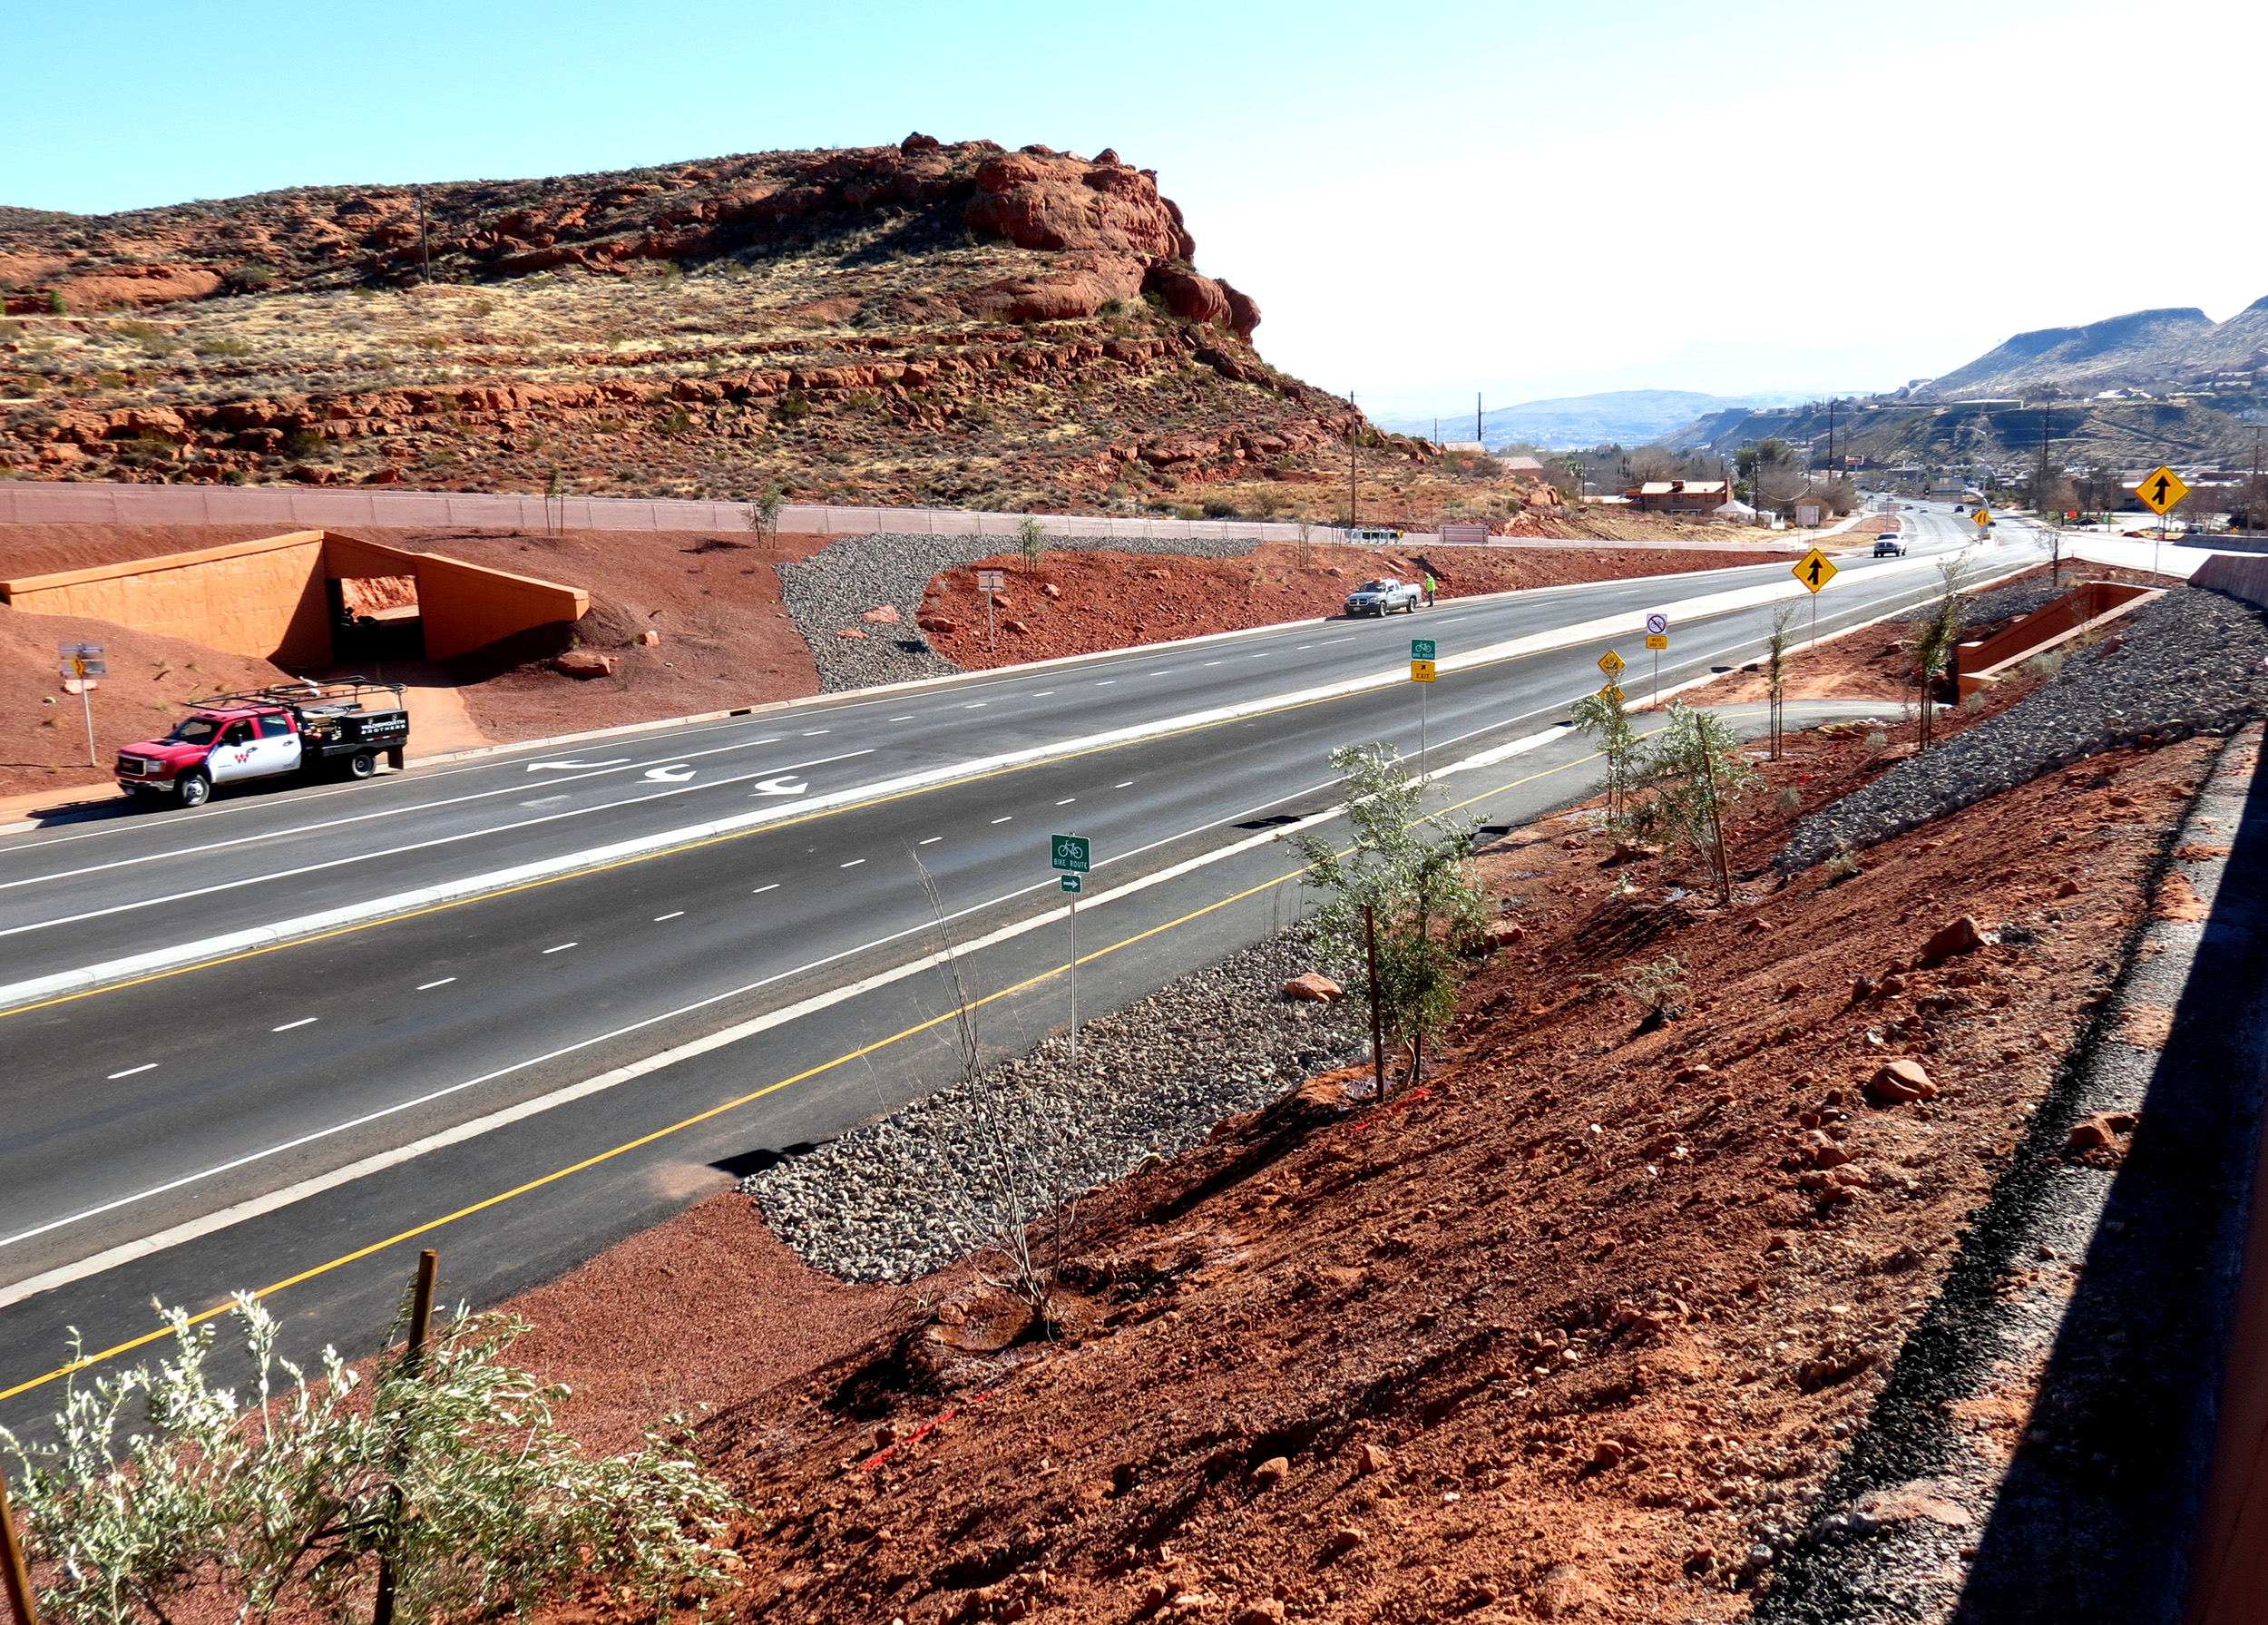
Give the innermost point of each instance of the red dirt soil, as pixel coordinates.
(1122, 601)
(726, 641)
(1550, 1336)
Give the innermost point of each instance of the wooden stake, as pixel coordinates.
(1377, 1028)
(420, 1323)
(13, 1560)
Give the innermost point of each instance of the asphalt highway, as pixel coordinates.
(330, 1103)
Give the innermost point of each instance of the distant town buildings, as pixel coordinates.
(1692, 498)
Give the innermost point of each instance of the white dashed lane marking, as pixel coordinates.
(146, 1066)
(1127, 786)
(1043, 693)
(562, 947)
(773, 888)
(445, 982)
(302, 1021)
(926, 839)
(1009, 819)
(852, 865)
(678, 915)
(813, 733)
(1067, 800)
(899, 719)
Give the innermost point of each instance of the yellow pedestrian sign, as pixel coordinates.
(1610, 662)
(2160, 489)
(1656, 641)
(1816, 570)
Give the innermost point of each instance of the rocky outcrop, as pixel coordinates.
(1122, 235)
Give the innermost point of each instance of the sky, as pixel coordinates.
(1521, 199)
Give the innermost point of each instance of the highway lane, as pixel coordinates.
(555, 983)
(518, 1205)
(84, 895)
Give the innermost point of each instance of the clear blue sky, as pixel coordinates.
(1517, 196)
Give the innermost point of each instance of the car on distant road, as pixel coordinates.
(1383, 597)
(1888, 547)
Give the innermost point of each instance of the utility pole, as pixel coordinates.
(425, 252)
(1352, 419)
(1479, 438)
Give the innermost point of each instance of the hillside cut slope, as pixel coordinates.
(947, 324)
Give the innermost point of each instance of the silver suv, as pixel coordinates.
(1382, 597)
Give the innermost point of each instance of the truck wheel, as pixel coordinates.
(192, 790)
(362, 764)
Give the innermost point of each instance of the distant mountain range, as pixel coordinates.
(1627, 416)
(2154, 350)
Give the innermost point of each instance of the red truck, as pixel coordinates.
(330, 729)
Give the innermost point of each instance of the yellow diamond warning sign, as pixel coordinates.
(1610, 662)
(2160, 489)
(1816, 570)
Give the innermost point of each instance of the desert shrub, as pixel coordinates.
(1407, 883)
(1218, 509)
(446, 1465)
(301, 442)
(221, 347)
(1657, 988)
(1031, 536)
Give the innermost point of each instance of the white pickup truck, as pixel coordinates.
(1383, 597)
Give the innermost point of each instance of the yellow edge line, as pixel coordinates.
(699, 1116)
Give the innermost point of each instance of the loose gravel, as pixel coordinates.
(2190, 662)
(827, 594)
(895, 1199)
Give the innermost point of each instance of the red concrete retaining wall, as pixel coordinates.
(264, 597)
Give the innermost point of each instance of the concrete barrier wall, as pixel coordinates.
(2244, 578)
(64, 502)
(263, 598)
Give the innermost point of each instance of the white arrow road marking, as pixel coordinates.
(563, 767)
(676, 774)
(779, 786)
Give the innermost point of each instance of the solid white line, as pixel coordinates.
(441, 840)
(659, 918)
(562, 947)
(361, 817)
(303, 1022)
(445, 982)
(145, 1067)
(110, 1258)
(1539, 642)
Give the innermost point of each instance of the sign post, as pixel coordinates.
(2160, 490)
(989, 581)
(1814, 570)
(1656, 639)
(1068, 856)
(1422, 673)
(81, 664)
